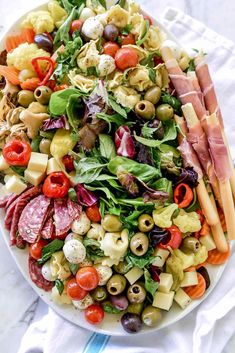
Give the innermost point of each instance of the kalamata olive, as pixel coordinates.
(145, 223)
(110, 32)
(190, 244)
(135, 308)
(203, 271)
(164, 112)
(42, 94)
(116, 284)
(151, 316)
(120, 302)
(157, 235)
(44, 42)
(121, 268)
(139, 244)
(159, 133)
(153, 95)
(111, 223)
(136, 293)
(25, 97)
(131, 322)
(145, 109)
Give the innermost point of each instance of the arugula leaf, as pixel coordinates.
(49, 249)
(110, 309)
(126, 30)
(18, 170)
(131, 221)
(191, 66)
(88, 169)
(107, 147)
(59, 100)
(152, 75)
(62, 34)
(172, 101)
(150, 285)
(142, 261)
(149, 60)
(93, 251)
(117, 107)
(59, 285)
(73, 268)
(102, 208)
(92, 71)
(148, 132)
(73, 110)
(138, 202)
(115, 118)
(144, 35)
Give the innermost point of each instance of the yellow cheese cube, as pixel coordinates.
(208, 241)
(190, 279)
(52, 166)
(182, 298)
(134, 274)
(160, 257)
(3, 163)
(15, 185)
(38, 162)
(34, 177)
(163, 300)
(166, 281)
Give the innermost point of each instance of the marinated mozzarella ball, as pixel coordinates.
(106, 65)
(46, 272)
(86, 13)
(105, 272)
(82, 225)
(84, 303)
(74, 251)
(92, 28)
(71, 236)
(177, 51)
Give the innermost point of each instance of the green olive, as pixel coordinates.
(44, 146)
(121, 268)
(153, 95)
(145, 223)
(116, 284)
(42, 94)
(99, 294)
(139, 244)
(145, 109)
(135, 308)
(136, 293)
(164, 112)
(25, 97)
(190, 244)
(151, 316)
(111, 223)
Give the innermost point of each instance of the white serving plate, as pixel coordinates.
(111, 324)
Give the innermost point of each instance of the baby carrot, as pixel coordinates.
(197, 291)
(216, 257)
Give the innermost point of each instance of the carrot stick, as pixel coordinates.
(216, 257)
(10, 73)
(30, 84)
(197, 291)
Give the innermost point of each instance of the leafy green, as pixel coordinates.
(164, 148)
(138, 202)
(49, 249)
(172, 101)
(131, 221)
(59, 100)
(149, 60)
(103, 3)
(142, 261)
(152, 75)
(110, 309)
(168, 163)
(114, 118)
(73, 110)
(191, 66)
(59, 285)
(148, 132)
(107, 147)
(72, 195)
(144, 35)
(62, 34)
(93, 251)
(164, 184)
(150, 285)
(73, 268)
(117, 107)
(88, 169)
(18, 170)
(105, 190)
(92, 71)
(126, 30)
(35, 143)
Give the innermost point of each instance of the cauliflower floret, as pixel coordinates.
(162, 217)
(187, 259)
(187, 222)
(22, 56)
(40, 21)
(58, 14)
(115, 245)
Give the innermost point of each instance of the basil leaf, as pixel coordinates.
(107, 147)
(73, 110)
(73, 268)
(150, 285)
(143, 37)
(149, 60)
(93, 251)
(152, 75)
(172, 101)
(59, 285)
(88, 169)
(117, 107)
(110, 309)
(142, 261)
(62, 34)
(18, 170)
(59, 100)
(126, 30)
(49, 249)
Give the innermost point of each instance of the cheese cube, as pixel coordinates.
(208, 241)
(166, 281)
(3, 163)
(190, 279)
(182, 298)
(134, 274)
(163, 300)
(33, 177)
(38, 162)
(15, 185)
(160, 257)
(52, 166)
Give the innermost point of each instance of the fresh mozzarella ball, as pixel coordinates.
(106, 65)
(104, 272)
(86, 13)
(71, 236)
(46, 272)
(92, 28)
(84, 303)
(177, 51)
(74, 251)
(82, 225)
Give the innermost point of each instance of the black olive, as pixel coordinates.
(110, 32)
(131, 322)
(44, 42)
(203, 271)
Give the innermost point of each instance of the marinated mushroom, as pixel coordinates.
(136, 294)
(164, 112)
(153, 94)
(116, 284)
(111, 223)
(42, 94)
(139, 244)
(145, 223)
(25, 97)
(145, 109)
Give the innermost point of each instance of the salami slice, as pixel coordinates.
(47, 230)
(20, 205)
(74, 209)
(3, 201)
(12, 199)
(62, 218)
(35, 272)
(33, 217)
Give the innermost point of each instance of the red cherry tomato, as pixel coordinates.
(183, 195)
(174, 240)
(125, 58)
(110, 48)
(148, 18)
(68, 163)
(94, 314)
(75, 26)
(35, 249)
(56, 185)
(127, 39)
(74, 291)
(87, 278)
(17, 152)
(93, 213)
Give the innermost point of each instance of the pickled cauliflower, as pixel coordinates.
(22, 56)
(162, 217)
(58, 14)
(187, 222)
(40, 21)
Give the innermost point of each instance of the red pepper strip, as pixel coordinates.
(183, 195)
(44, 77)
(174, 240)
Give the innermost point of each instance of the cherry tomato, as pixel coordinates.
(94, 314)
(125, 58)
(74, 291)
(56, 185)
(75, 26)
(87, 278)
(127, 39)
(68, 163)
(183, 195)
(17, 152)
(174, 240)
(93, 213)
(35, 249)
(110, 48)
(148, 18)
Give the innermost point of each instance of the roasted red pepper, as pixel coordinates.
(183, 195)
(43, 76)
(17, 152)
(56, 185)
(124, 142)
(93, 213)
(174, 240)
(68, 163)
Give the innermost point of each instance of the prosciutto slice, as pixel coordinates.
(193, 78)
(189, 157)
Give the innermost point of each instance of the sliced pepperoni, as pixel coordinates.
(35, 272)
(62, 218)
(33, 217)
(74, 209)
(48, 228)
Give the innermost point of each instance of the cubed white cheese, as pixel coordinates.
(163, 300)
(52, 166)
(166, 281)
(33, 177)
(190, 279)
(38, 162)
(15, 185)
(182, 298)
(3, 163)
(160, 257)
(134, 274)
(208, 241)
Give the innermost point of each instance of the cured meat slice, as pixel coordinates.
(3, 201)
(35, 272)
(33, 217)
(11, 199)
(20, 205)
(189, 157)
(74, 209)
(47, 230)
(62, 218)
(193, 78)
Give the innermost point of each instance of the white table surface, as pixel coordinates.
(17, 300)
